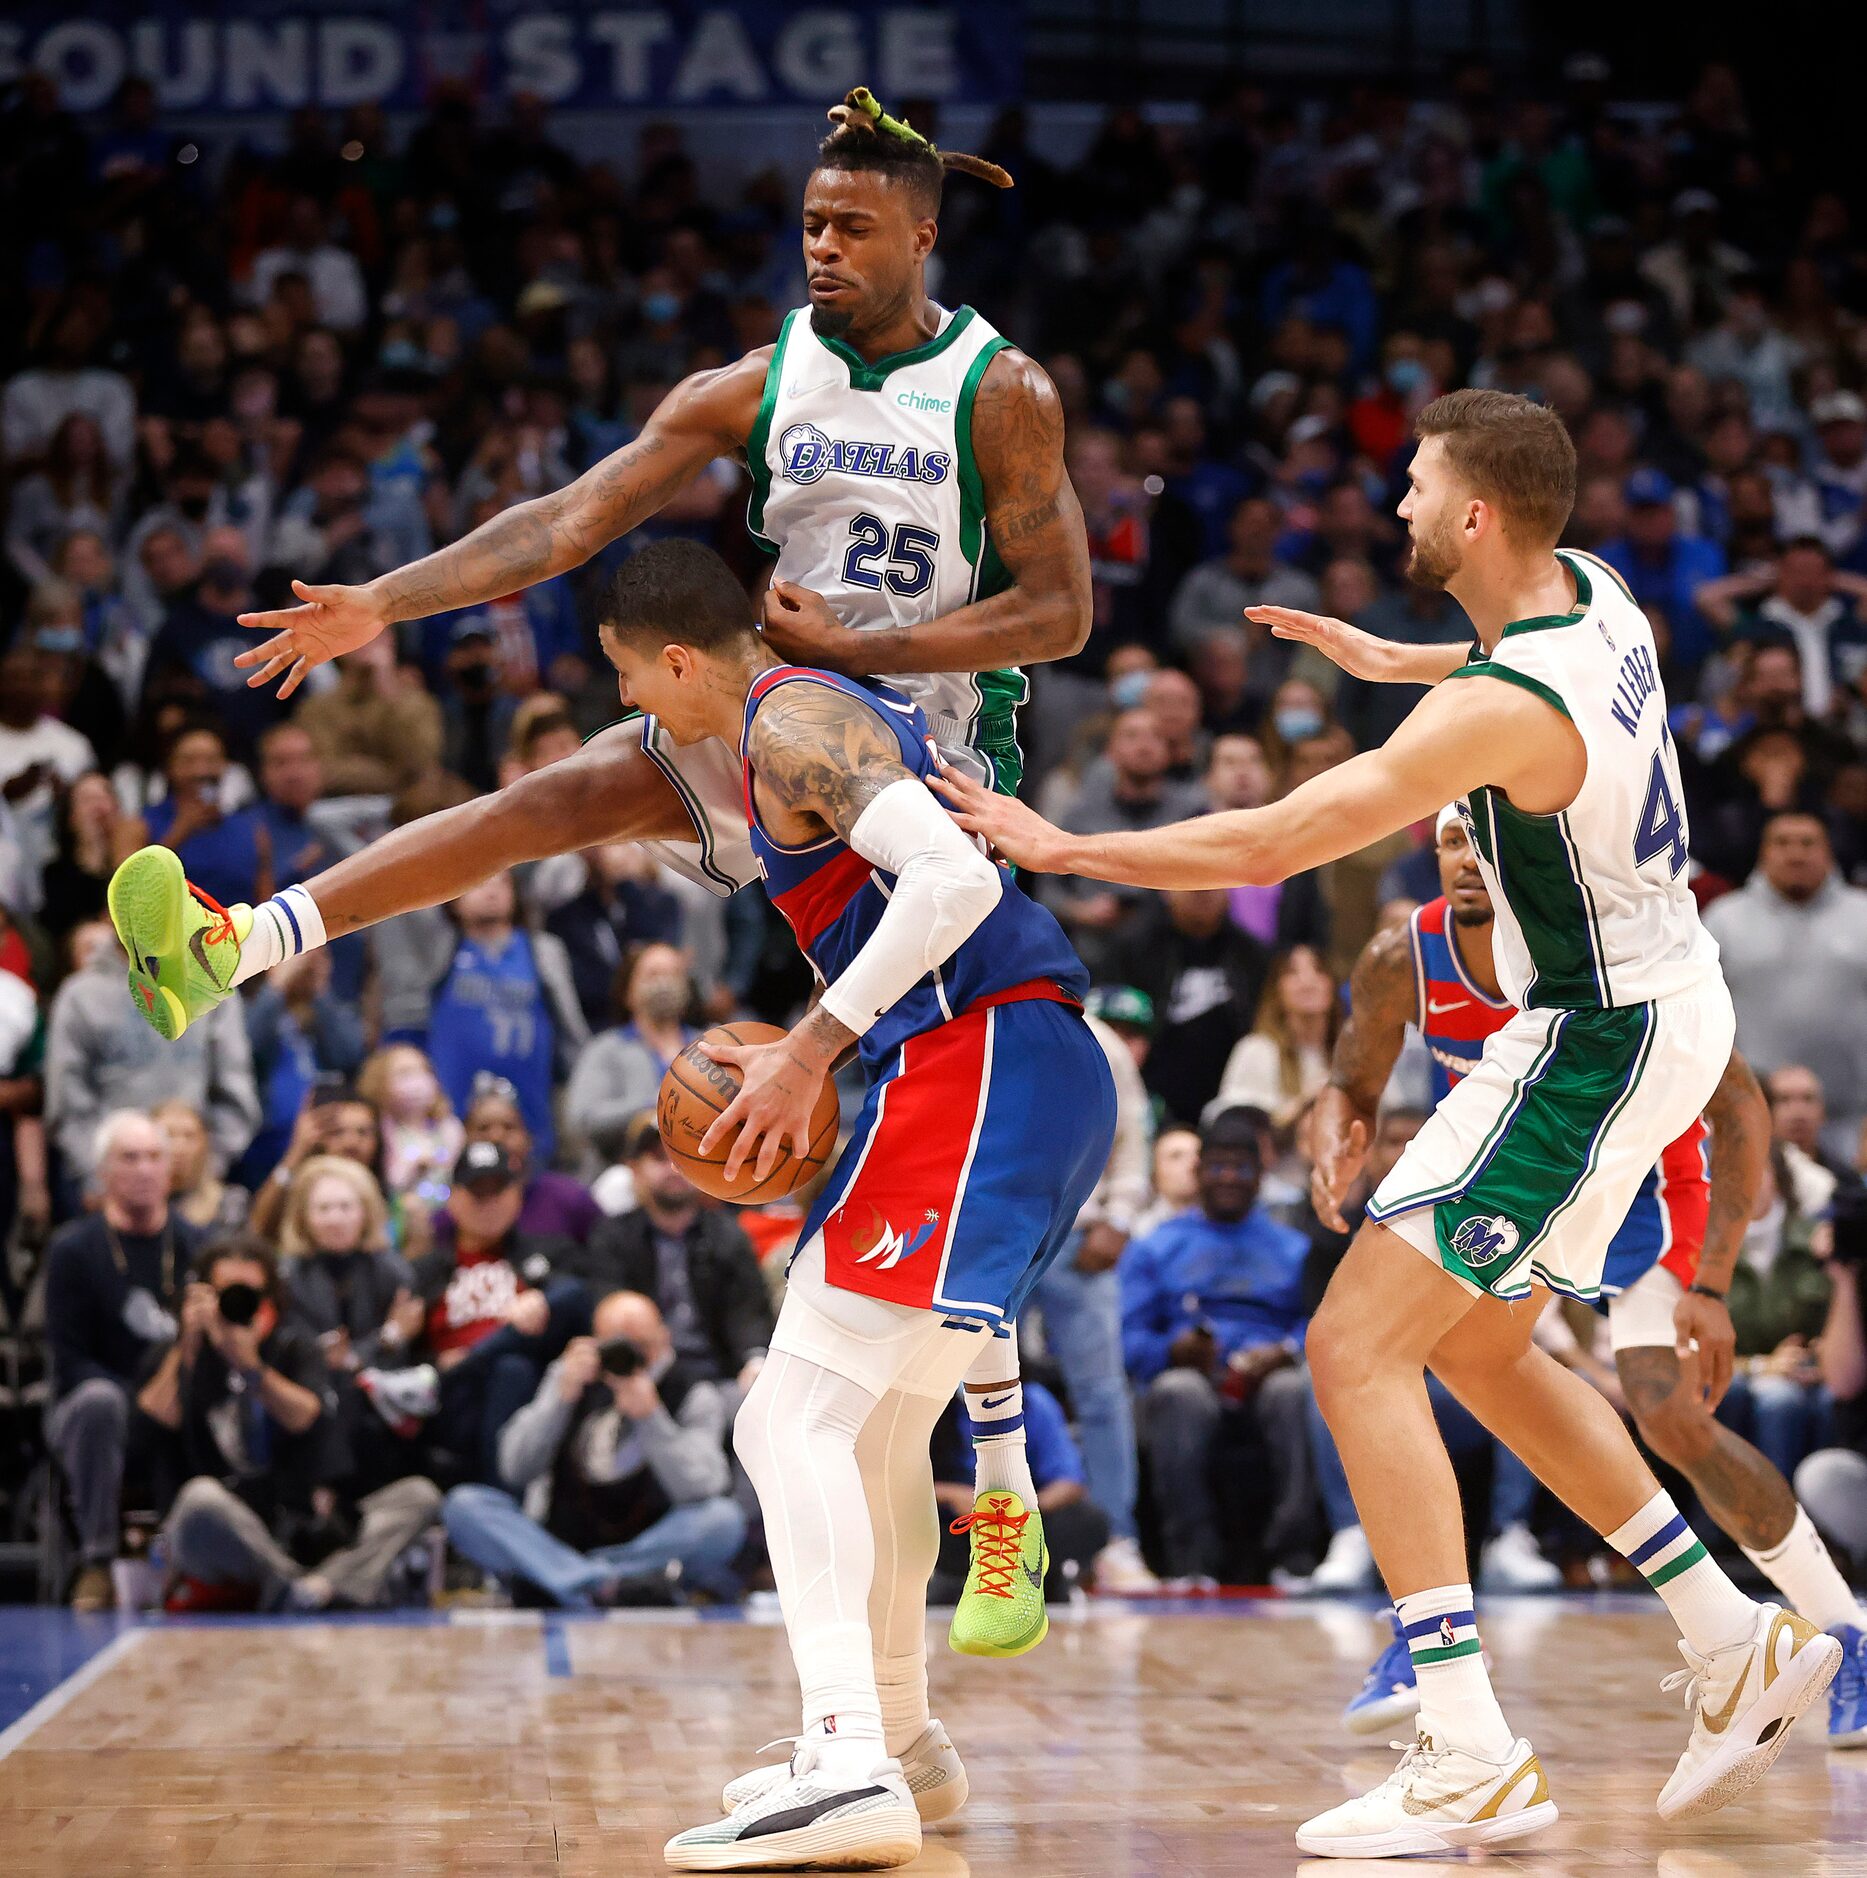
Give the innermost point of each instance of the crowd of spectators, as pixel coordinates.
(386, 1246)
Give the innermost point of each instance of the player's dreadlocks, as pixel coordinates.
(867, 138)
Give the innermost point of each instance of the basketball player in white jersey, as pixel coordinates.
(907, 471)
(1551, 729)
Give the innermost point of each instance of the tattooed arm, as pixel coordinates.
(821, 759)
(1381, 1000)
(705, 416)
(1740, 1150)
(1033, 523)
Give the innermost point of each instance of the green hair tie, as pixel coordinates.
(864, 100)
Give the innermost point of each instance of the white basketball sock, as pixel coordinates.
(1800, 1568)
(1458, 1707)
(995, 1402)
(1708, 1608)
(284, 926)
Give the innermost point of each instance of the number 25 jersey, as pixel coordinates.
(865, 487)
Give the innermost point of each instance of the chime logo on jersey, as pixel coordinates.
(880, 1245)
(807, 453)
(1485, 1241)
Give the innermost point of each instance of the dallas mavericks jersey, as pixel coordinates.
(1592, 907)
(865, 488)
(1451, 1014)
(833, 899)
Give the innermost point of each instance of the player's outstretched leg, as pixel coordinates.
(894, 1456)
(1740, 1488)
(1468, 1780)
(1751, 1669)
(1001, 1611)
(184, 948)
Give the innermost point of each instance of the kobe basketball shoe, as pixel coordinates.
(931, 1766)
(1743, 1699)
(1438, 1800)
(184, 947)
(1001, 1611)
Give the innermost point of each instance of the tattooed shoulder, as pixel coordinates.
(824, 753)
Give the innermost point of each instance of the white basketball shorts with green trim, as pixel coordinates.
(1524, 1173)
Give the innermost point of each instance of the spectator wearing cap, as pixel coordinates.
(1664, 569)
(1213, 1318)
(1793, 945)
(1840, 473)
(495, 1307)
(620, 1459)
(1804, 599)
(556, 1204)
(476, 711)
(1214, 595)
(692, 1259)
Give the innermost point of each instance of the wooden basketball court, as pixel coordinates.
(1134, 1742)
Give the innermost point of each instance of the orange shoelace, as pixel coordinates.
(998, 1545)
(223, 920)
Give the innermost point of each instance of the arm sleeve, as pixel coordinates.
(944, 888)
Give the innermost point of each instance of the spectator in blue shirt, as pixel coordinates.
(1075, 1527)
(227, 856)
(1664, 569)
(1212, 1330)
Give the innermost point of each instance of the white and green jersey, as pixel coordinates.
(865, 488)
(1593, 910)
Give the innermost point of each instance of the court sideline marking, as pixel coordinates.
(69, 1690)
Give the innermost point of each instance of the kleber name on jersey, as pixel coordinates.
(806, 453)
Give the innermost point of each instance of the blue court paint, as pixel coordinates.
(557, 1648)
(40, 1645)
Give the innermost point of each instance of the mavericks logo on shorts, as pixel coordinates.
(1481, 1242)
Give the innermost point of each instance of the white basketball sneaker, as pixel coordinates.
(1438, 1800)
(1743, 1699)
(809, 1821)
(931, 1767)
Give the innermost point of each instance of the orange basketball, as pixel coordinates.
(696, 1090)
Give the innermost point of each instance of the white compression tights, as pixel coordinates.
(846, 1486)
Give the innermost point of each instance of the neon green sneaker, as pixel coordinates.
(1001, 1612)
(184, 947)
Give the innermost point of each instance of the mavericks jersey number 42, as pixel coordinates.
(865, 488)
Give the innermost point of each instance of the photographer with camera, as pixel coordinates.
(243, 1396)
(621, 1460)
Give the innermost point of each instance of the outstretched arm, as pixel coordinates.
(1033, 523)
(827, 759)
(1492, 734)
(1362, 654)
(609, 791)
(707, 415)
(1381, 1001)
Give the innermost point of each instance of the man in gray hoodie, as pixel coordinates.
(620, 1460)
(1794, 946)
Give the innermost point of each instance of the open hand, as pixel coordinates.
(1020, 834)
(777, 1097)
(1338, 1152)
(800, 626)
(331, 622)
(1359, 654)
(1706, 1322)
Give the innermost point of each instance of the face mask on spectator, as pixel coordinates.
(659, 309)
(1405, 376)
(663, 999)
(1129, 690)
(223, 574)
(1296, 721)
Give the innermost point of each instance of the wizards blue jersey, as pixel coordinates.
(834, 899)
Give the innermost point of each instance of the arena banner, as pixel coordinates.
(271, 55)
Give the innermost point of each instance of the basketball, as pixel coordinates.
(696, 1090)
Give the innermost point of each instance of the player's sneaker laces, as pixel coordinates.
(1001, 1611)
(1390, 1694)
(807, 1821)
(1438, 1800)
(1847, 1694)
(1743, 1699)
(931, 1767)
(184, 947)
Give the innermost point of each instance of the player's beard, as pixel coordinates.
(1434, 559)
(1470, 916)
(829, 322)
